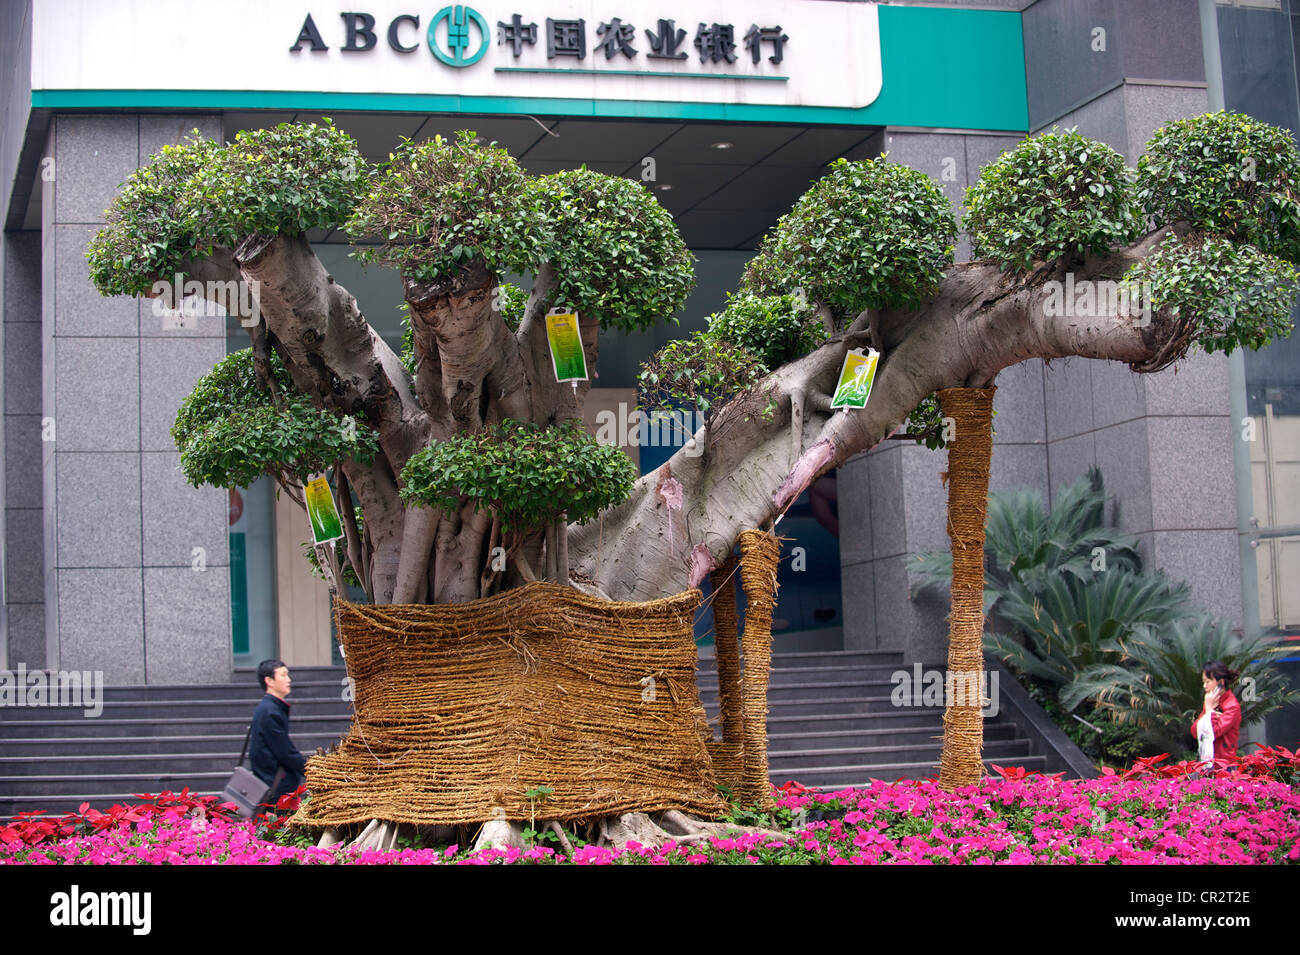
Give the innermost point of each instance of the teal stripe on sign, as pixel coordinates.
(943, 68)
(963, 69)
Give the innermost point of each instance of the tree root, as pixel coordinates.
(671, 826)
(560, 834)
(613, 831)
(375, 836)
(500, 834)
(690, 826)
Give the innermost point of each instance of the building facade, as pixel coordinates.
(112, 562)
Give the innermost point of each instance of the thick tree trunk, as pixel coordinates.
(980, 321)
(472, 371)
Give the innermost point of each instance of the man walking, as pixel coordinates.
(272, 755)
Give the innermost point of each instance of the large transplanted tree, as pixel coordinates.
(865, 258)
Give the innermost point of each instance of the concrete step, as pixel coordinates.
(835, 702)
(303, 689)
(798, 742)
(164, 708)
(1010, 749)
(843, 777)
(831, 723)
(852, 674)
(23, 787)
(94, 747)
(55, 806)
(170, 726)
(823, 658)
(801, 723)
(12, 769)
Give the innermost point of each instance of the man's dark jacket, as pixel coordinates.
(270, 748)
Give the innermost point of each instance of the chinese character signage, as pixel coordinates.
(494, 57)
(617, 39)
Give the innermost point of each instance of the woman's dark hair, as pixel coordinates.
(266, 669)
(1218, 670)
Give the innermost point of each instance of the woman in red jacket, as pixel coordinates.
(1218, 725)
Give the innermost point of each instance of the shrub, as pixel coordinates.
(1225, 174)
(527, 475)
(1056, 196)
(773, 328)
(869, 233)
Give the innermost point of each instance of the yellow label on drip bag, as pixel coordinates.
(567, 356)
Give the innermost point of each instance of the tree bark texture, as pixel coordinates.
(472, 370)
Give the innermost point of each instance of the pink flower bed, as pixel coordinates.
(1170, 815)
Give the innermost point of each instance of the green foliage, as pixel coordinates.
(773, 328)
(617, 253)
(926, 420)
(1232, 294)
(1101, 738)
(287, 179)
(437, 206)
(154, 225)
(528, 475)
(1026, 544)
(869, 233)
(230, 432)
(1225, 174)
(1156, 687)
(350, 576)
(509, 301)
(193, 196)
(1065, 624)
(1052, 197)
(774, 818)
(699, 372)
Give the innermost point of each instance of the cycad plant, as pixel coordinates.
(1156, 685)
(1062, 624)
(1026, 543)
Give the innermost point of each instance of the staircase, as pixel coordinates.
(830, 725)
(152, 738)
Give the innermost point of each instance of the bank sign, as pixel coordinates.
(459, 36)
(771, 52)
(764, 52)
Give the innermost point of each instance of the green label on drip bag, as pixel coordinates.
(857, 376)
(325, 523)
(567, 356)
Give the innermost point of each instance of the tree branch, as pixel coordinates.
(356, 552)
(476, 354)
(332, 353)
(979, 322)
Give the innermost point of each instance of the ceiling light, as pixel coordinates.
(664, 187)
(722, 145)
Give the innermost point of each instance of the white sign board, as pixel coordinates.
(763, 52)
